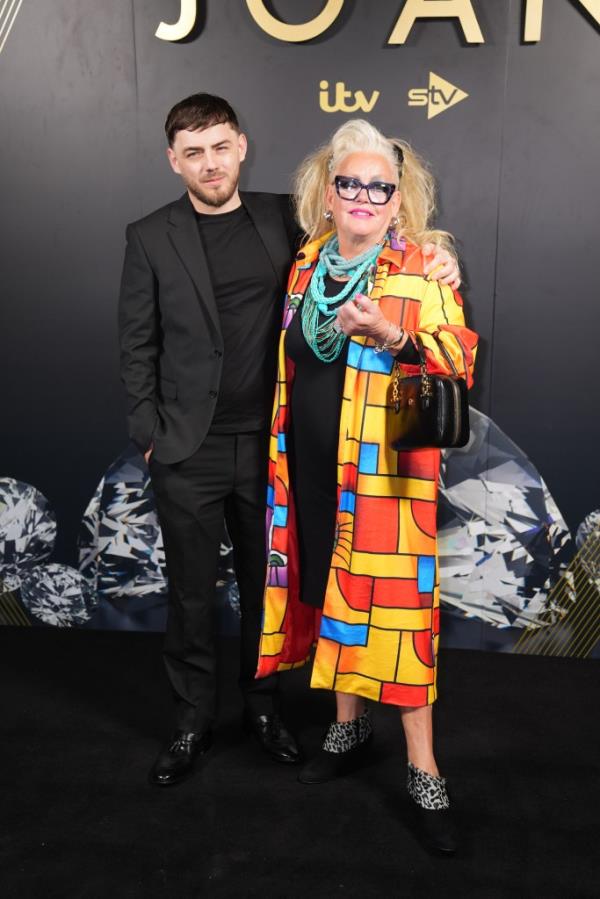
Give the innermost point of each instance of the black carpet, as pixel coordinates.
(85, 712)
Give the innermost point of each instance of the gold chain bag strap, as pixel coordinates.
(429, 410)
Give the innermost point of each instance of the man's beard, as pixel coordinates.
(216, 196)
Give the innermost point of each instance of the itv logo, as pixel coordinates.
(345, 100)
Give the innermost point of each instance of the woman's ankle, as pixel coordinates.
(349, 708)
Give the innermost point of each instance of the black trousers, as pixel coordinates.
(224, 479)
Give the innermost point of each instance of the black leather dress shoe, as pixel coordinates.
(176, 762)
(329, 765)
(273, 736)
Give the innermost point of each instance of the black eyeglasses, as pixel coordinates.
(378, 192)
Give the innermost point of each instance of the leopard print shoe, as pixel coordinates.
(345, 746)
(434, 820)
(426, 790)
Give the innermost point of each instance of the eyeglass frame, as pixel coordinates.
(367, 187)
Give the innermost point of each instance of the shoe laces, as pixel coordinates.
(180, 744)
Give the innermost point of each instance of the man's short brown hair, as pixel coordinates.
(198, 112)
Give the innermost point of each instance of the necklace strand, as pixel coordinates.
(318, 311)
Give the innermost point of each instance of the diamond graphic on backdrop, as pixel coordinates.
(58, 595)
(27, 530)
(120, 544)
(227, 587)
(587, 540)
(502, 541)
(121, 548)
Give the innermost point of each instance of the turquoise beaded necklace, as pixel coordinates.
(318, 311)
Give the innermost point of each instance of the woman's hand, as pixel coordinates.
(442, 267)
(362, 316)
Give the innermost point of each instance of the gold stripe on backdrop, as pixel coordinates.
(11, 611)
(8, 14)
(577, 632)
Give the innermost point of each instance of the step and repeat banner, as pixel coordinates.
(500, 96)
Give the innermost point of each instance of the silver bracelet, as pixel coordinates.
(388, 344)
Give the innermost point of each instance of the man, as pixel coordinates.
(200, 309)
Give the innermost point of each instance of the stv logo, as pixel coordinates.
(438, 97)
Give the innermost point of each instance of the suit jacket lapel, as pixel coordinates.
(183, 232)
(272, 233)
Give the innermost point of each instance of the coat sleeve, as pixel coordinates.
(138, 337)
(294, 232)
(442, 314)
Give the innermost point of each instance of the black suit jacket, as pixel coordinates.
(171, 343)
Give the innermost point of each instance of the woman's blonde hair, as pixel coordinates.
(415, 182)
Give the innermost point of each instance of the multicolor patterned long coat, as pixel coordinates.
(377, 635)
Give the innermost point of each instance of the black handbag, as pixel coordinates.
(429, 410)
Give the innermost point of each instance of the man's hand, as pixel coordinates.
(148, 453)
(442, 267)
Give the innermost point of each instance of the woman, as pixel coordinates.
(352, 523)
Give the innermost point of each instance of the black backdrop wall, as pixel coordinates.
(87, 88)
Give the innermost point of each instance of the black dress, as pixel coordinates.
(315, 405)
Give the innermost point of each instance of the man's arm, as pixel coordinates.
(295, 233)
(138, 337)
(443, 266)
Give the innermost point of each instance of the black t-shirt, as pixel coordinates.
(250, 303)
